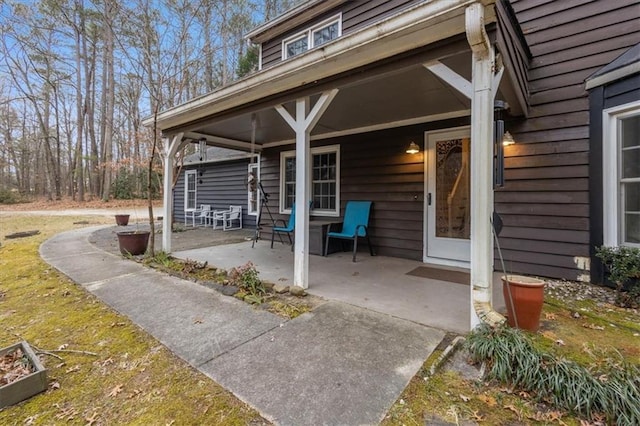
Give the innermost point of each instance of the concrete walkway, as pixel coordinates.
(337, 365)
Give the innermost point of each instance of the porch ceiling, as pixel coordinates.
(404, 95)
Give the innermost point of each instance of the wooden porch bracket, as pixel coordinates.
(302, 124)
(451, 77)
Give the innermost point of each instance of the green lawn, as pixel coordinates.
(132, 380)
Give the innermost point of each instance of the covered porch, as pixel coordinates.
(433, 67)
(381, 284)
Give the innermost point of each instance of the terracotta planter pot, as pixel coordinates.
(133, 242)
(122, 219)
(527, 295)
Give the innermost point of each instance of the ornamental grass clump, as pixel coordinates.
(613, 391)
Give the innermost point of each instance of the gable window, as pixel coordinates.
(313, 37)
(190, 190)
(621, 162)
(297, 46)
(325, 180)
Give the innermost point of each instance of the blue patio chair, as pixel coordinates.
(286, 228)
(356, 221)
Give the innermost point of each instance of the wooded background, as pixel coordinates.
(78, 76)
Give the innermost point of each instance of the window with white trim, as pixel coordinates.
(325, 180)
(315, 36)
(190, 190)
(621, 163)
(253, 196)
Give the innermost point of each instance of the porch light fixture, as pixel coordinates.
(507, 139)
(413, 148)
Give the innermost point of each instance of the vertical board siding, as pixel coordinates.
(223, 184)
(355, 15)
(545, 202)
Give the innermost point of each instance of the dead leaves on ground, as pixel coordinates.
(488, 400)
(13, 366)
(91, 419)
(115, 391)
(593, 326)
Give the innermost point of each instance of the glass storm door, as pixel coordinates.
(448, 219)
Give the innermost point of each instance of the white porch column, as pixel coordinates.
(302, 125)
(483, 63)
(170, 149)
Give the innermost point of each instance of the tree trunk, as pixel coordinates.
(109, 97)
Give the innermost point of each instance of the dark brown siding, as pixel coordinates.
(600, 98)
(355, 15)
(545, 202)
(374, 166)
(220, 185)
(514, 50)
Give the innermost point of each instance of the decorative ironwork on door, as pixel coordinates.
(453, 201)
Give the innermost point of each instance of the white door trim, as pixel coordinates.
(429, 175)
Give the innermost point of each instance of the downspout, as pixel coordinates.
(483, 64)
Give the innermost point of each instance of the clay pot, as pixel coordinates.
(527, 295)
(133, 242)
(122, 219)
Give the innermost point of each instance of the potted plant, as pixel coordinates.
(122, 219)
(524, 297)
(21, 374)
(133, 242)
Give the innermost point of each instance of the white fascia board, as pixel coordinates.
(221, 141)
(613, 75)
(419, 26)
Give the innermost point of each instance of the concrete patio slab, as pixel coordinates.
(378, 283)
(338, 365)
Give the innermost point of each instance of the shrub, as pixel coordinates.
(8, 197)
(123, 186)
(623, 268)
(246, 277)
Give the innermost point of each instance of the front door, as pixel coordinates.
(448, 196)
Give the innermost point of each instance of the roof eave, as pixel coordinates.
(419, 26)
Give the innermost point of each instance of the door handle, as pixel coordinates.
(429, 199)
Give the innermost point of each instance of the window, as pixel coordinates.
(621, 177)
(297, 46)
(190, 190)
(325, 180)
(253, 201)
(630, 179)
(313, 37)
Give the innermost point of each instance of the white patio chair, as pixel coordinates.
(203, 214)
(217, 218)
(230, 219)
